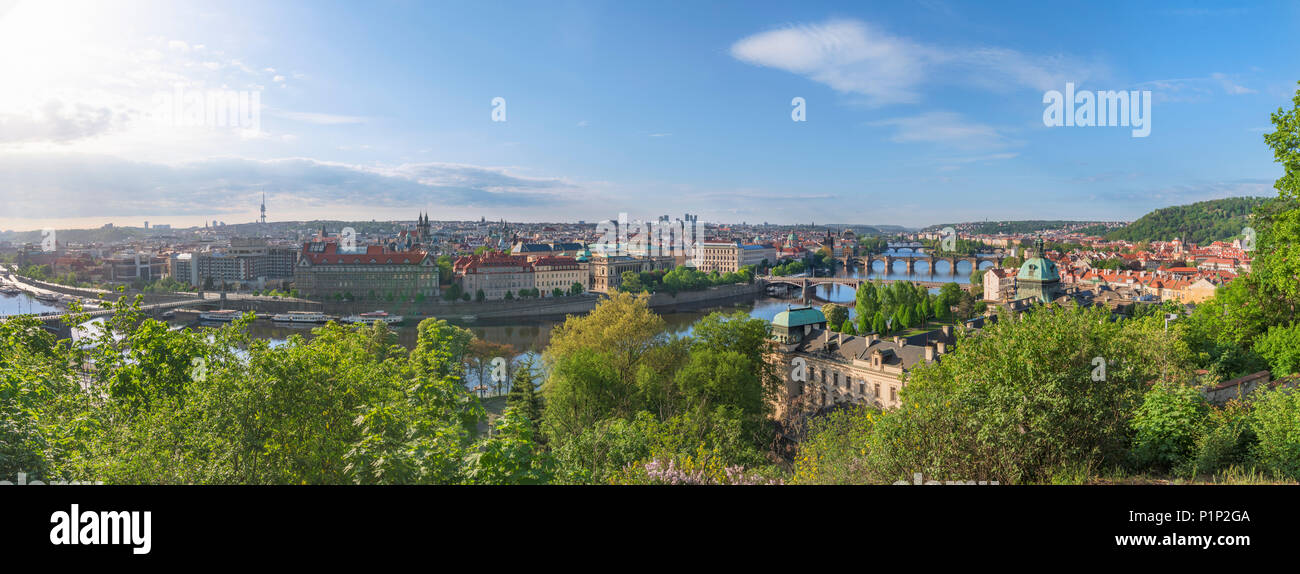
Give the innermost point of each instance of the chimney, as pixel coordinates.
(840, 342)
(929, 353)
(947, 330)
(942, 347)
(899, 341)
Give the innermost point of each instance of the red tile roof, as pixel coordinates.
(373, 255)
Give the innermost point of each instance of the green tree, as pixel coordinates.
(836, 315)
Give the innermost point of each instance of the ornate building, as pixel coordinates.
(1038, 278)
(822, 368)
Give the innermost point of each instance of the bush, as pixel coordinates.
(835, 450)
(1169, 424)
(1276, 421)
(1227, 441)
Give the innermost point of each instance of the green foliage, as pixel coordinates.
(220, 407)
(620, 393)
(1227, 441)
(789, 268)
(1201, 223)
(1280, 346)
(835, 450)
(511, 456)
(836, 315)
(1168, 424)
(1020, 401)
(1276, 421)
(679, 279)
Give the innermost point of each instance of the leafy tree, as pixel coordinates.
(836, 315)
(1025, 399)
(1281, 348)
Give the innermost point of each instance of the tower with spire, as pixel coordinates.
(263, 208)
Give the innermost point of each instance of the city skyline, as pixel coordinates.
(916, 114)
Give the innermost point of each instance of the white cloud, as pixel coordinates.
(857, 57)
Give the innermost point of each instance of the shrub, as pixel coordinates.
(1276, 420)
(1168, 424)
(1227, 441)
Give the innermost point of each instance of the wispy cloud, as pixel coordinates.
(77, 185)
(944, 128)
(852, 56)
(322, 119)
(1196, 89)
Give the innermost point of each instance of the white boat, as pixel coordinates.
(301, 317)
(469, 318)
(224, 315)
(373, 316)
(47, 297)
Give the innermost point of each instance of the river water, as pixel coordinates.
(530, 338)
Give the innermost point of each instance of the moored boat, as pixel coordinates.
(301, 317)
(223, 315)
(371, 317)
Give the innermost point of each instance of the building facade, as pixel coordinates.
(823, 369)
(374, 272)
(723, 257)
(607, 271)
(495, 274)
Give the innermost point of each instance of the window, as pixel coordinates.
(893, 394)
(877, 393)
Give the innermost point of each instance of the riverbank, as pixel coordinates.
(544, 307)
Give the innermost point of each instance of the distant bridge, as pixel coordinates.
(867, 261)
(55, 325)
(853, 282)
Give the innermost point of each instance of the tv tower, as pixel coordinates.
(263, 208)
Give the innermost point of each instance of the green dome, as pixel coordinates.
(1038, 269)
(798, 317)
(789, 240)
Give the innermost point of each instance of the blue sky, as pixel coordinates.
(917, 112)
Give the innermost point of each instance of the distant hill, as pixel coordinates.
(1200, 223)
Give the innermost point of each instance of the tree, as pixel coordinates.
(631, 282)
(1027, 399)
(1281, 348)
(523, 395)
(836, 315)
(451, 294)
(575, 289)
(1278, 254)
(480, 296)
